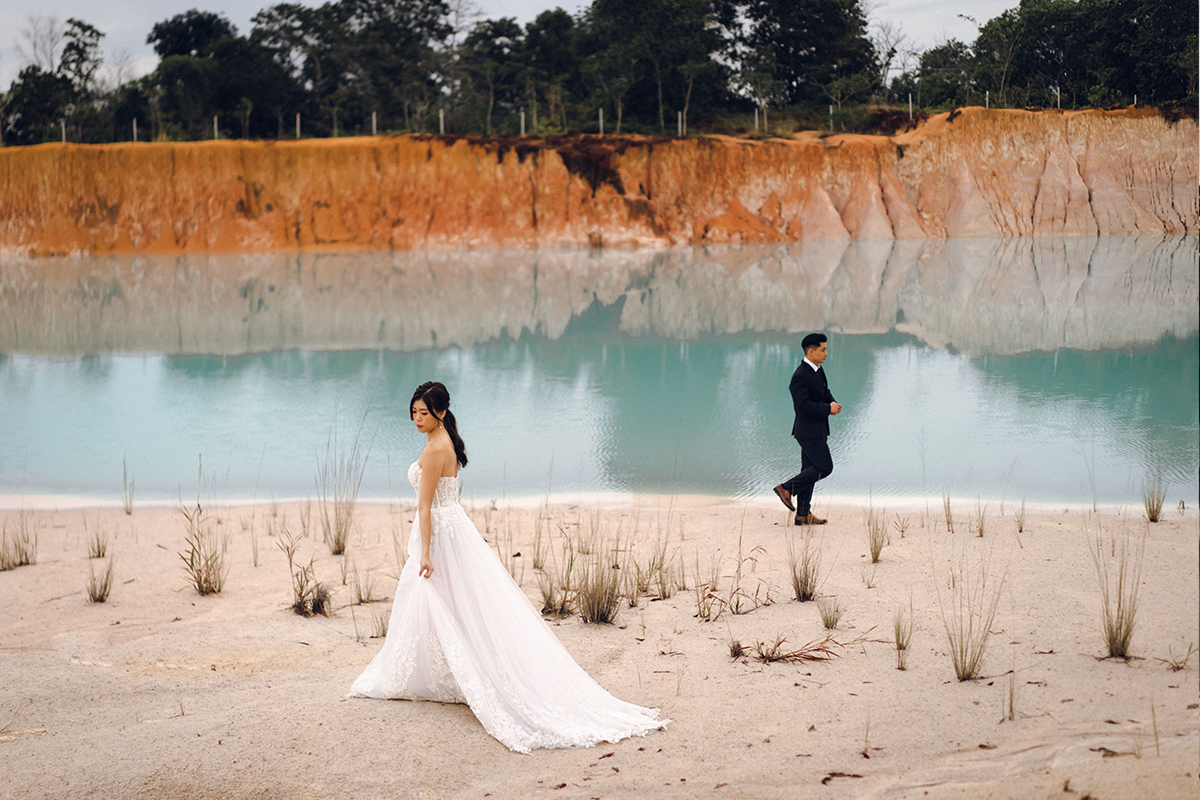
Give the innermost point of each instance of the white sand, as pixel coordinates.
(162, 693)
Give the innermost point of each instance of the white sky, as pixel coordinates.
(127, 22)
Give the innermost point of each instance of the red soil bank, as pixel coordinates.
(978, 173)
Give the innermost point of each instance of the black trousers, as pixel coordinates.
(815, 463)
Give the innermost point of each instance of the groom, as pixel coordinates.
(814, 404)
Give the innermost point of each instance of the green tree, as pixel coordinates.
(813, 42)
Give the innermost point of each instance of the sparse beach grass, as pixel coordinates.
(804, 566)
(1119, 572)
(1153, 494)
(902, 633)
(127, 496)
(598, 593)
(876, 524)
(339, 476)
(99, 585)
(18, 542)
(830, 611)
(204, 552)
(97, 539)
(968, 612)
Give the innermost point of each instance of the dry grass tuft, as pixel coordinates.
(100, 585)
(97, 540)
(830, 611)
(1153, 495)
(736, 649)
(339, 474)
(978, 519)
(902, 633)
(901, 524)
(1119, 573)
(204, 553)
(1021, 517)
(364, 587)
(598, 590)
(1177, 664)
(18, 548)
(967, 615)
(380, 618)
(804, 565)
(127, 497)
(309, 596)
(946, 511)
(876, 530)
(820, 650)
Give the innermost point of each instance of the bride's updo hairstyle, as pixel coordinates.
(437, 399)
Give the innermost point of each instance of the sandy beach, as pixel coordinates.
(163, 693)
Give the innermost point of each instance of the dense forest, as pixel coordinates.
(351, 67)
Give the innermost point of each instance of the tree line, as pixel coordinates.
(352, 67)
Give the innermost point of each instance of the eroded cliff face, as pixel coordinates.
(977, 173)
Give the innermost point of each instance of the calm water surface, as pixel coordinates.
(1059, 371)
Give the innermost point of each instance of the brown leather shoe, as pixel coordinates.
(785, 496)
(809, 519)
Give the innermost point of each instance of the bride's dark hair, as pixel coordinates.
(437, 400)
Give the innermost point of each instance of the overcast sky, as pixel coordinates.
(127, 22)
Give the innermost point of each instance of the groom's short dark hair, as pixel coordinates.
(812, 340)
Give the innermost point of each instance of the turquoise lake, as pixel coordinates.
(1060, 371)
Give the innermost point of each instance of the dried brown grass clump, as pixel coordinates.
(775, 652)
(339, 475)
(967, 615)
(18, 545)
(204, 552)
(127, 497)
(99, 586)
(1119, 571)
(1153, 495)
(309, 595)
(902, 633)
(97, 541)
(830, 611)
(804, 565)
(598, 591)
(876, 531)
(1176, 664)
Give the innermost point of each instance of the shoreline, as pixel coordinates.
(932, 504)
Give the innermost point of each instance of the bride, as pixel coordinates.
(462, 631)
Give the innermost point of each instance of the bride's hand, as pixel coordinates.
(426, 567)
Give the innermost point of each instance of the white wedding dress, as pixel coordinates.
(468, 634)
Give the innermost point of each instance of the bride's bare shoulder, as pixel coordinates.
(438, 458)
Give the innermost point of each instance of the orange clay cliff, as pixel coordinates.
(973, 173)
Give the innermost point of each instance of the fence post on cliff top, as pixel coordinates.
(62, 123)
(679, 123)
(297, 124)
(602, 122)
(135, 129)
(216, 130)
(756, 119)
(910, 106)
(441, 120)
(374, 129)
(522, 122)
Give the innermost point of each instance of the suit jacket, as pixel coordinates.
(810, 400)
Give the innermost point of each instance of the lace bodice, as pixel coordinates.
(447, 488)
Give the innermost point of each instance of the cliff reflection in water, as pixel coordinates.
(978, 296)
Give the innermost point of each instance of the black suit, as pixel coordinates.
(810, 400)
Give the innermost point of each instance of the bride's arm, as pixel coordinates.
(431, 471)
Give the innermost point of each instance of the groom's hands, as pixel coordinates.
(835, 409)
